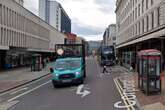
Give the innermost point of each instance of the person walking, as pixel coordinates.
(105, 69)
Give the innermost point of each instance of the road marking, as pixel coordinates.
(129, 104)
(19, 90)
(8, 92)
(7, 105)
(28, 91)
(120, 92)
(81, 92)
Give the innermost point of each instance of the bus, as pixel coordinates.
(107, 56)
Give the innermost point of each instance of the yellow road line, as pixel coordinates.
(121, 93)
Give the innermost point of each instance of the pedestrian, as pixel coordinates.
(105, 69)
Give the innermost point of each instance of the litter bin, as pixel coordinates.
(149, 80)
(36, 62)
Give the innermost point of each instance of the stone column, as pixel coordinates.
(156, 18)
(162, 13)
(145, 23)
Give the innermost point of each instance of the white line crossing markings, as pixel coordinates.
(27, 92)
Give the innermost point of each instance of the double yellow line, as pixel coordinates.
(126, 100)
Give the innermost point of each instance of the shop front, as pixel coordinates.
(128, 54)
(17, 57)
(129, 59)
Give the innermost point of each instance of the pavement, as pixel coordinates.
(99, 92)
(13, 78)
(150, 102)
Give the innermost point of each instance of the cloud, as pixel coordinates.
(32, 5)
(83, 29)
(89, 17)
(93, 37)
(106, 6)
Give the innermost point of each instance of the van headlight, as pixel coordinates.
(77, 73)
(56, 75)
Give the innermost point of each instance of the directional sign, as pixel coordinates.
(82, 92)
(60, 51)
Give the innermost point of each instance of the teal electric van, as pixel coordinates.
(69, 66)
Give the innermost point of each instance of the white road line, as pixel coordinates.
(8, 92)
(120, 92)
(28, 91)
(18, 90)
(121, 89)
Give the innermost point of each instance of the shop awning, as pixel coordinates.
(159, 34)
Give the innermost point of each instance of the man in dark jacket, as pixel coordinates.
(105, 69)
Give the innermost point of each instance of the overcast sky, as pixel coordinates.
(89, 17)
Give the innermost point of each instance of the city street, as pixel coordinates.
(112, 51)
(98, 93)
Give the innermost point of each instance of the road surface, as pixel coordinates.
(98, 93)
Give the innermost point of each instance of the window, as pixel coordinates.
(114, 38)
(142, 6)
(4, 38)
(158, 15)
(146, 4)
(135, 13)
(10, 18)
(4, 21)
(151, 2)
(7, 16)
(152, 24)
(143, 26)
(0, 13)
(139, 10)
(1, 35)
(135, 29)
(147, 23)
(139, 27)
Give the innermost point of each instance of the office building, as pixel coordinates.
(22, 34)
(53, 13)
(21, 2)
(140, 25)
(109, 37)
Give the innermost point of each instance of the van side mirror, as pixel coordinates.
(51, 70)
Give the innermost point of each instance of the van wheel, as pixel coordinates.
(82, 81)
(54, 84)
